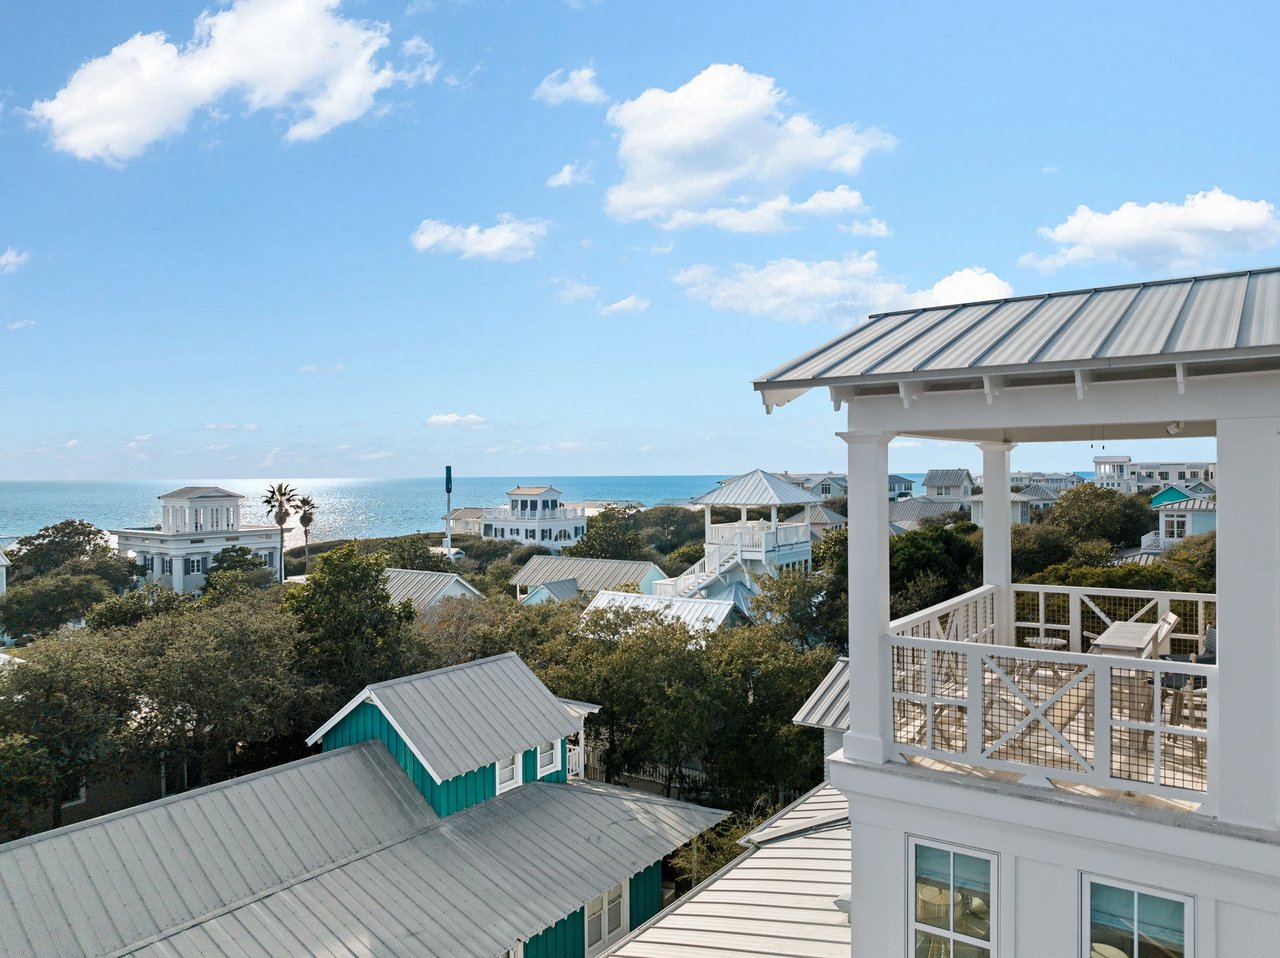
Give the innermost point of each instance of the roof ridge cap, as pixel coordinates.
(448, 668)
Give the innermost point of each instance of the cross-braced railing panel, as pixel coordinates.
(1072, 617)
(967, 618)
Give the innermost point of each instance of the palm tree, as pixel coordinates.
(281, 501)
(306, 516)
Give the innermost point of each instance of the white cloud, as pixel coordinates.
(298, 58)
(12, 260)
(686, 149)
(227, 426)
(871, 227)
(571, 291)
(370, 456)
(323, 369)
(662, 250)
(571, 174)
(1203, 229)
(578, 87)
(841, 291)
(71, 444)
(449, 419)
(18, 324)
(137, 442)
(269, 459)
(217, 446)
(768, 216)
(1049, 170)
(631, 304)
(509, 239)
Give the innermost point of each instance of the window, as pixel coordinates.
(944, 490)
(1175, 526)
(953, 908)
(548, 758)
(166, 566)
(508, 773)
(531, 533)
(824, 489)
(270, 558)
(1134, 921)
(1164, 475)
(606, 918)
(546, 535)
(1195, 473)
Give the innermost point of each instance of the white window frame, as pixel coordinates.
(78, 800)
(1086, 909)
(608, 936)
(515, 952)
(554, 765)
(516, 778)
(950, 935)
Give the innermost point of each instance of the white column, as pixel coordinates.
(868, 592)
(1244, 718)
(178, 569)
(997, 523)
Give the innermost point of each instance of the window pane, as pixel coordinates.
(973, 891)
(1161, 927)
(932, 946)
(615, 916)
(933, 886)
(595, 929)
(965, 950)
(1111, 917)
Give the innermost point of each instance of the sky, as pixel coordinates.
(368, 238)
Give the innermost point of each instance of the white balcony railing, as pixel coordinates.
(758, 536)
(1119, 723)
(1070, 618)
(524, 515)
(575, 762)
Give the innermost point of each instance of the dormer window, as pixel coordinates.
(508, 773)
(548, 758)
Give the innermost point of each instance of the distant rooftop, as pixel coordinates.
(201, 492)
(757, 488)
(532, 490)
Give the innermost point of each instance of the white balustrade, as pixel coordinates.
(1075, 615)
(966, 618)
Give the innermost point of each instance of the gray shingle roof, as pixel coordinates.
(1227, 316)
(466, 717)
(425, 589)
(592, 574)
(336, 855)
(695, 613)
(828, 706)
(201, 492)
(947, 477)
(778, 899)
(757, 488)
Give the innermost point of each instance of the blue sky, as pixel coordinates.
(303, 237)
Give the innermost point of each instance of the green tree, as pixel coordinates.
(124, 611)
(1193, 562)
(797, 607)
(28, 776)
(236, 569)
(943, 559)
(1092, 512)
(667, 528)
(281, 501)
(117, 571)
(1035, 547)
(43, 605)
(610, 535)
(42, 552)
(417, 552)
(236, 558)
(677, 561)
(351, 633)
(306, 516)
(708, 852)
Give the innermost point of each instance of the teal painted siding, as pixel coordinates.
(366, 722)
(565, 939)
(645, 894)
(529, 766)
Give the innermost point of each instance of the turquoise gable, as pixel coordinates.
(366, 721)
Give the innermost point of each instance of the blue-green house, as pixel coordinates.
(479, 734)
(1180, 518)
(1181, 491)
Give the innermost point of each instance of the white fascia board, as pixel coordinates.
(364, 695)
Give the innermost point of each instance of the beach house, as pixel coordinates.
(1124, 475)
(441, 818)
(949, 485)
(196, 523)
(1025, 774)
(533, 515)
(556, 578)
(1024, 505)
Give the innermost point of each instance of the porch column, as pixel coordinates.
(997, 522)
(868, 592)
(1244, 715)
(179, 567)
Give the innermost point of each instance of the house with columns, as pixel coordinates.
(196, 523)
(1065, 772)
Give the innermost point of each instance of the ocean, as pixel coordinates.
(346, 508)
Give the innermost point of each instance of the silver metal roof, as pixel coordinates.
(425, 589)
(532, 490)
(695, 613)
(1227, 317)
(1194, 504)
(1032, 493)
(777, 900)
(757, 488)
(822, 516)
(947, 477)
(592, 574)
(467, 716)
(303, 870)
(201, 492)
(562, 590)
(918, 507)
(828, 706)
(100, 886)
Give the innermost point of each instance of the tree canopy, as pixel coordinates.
(42, 552)
(1087, 512)
(610, 535)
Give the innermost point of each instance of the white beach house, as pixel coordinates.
(1124, 475)
(196, 523)
(534, 515)
(1026, 777)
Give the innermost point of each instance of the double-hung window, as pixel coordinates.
(548, 758)
(1133, 921)
(508, 773)
(606, 919)
(952, 901)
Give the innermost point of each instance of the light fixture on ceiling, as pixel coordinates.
(1174, 427)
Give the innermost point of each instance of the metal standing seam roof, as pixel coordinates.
(1194, 504)
(562, 590)
(695, 613)
(465, 717)
(757, 488)
(947, 477)
(465, 512)
(918, 507)
(828, 706)
(201, 492)
(592, 574)
(425, 589)
(822, 516)
(778, 899)
(1199, 318)
(532, 490)
(344, 859)
(1031, 493)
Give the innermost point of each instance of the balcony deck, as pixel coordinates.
(1047, 710)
